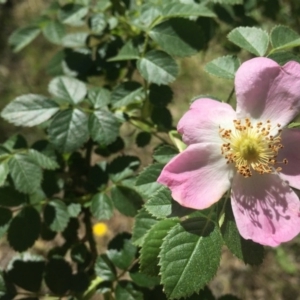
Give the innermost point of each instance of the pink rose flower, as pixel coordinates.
(248, 150)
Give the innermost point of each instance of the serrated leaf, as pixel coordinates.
(22, 37)
(103, 127)
(158, 67)
(125, 290)
(143, 222)
(97, 23)
(26, 175)
(75, 40)
(99, 97)
(42, 160)
(69, 130)
(127, 93)
(56, 215)
(164, 154)
(283, 37)
(223, 67)
(246, 250)
(126, 200)
(104, 268)
(159, 204)
(24, 229)
(144, 280)
(10, 197)
(172, 10)
(26, 271)
(146, 183)
(151, 247)
(54, 31)
(58, 284)
(190, 250)
(5, 218)
(254, 40)
(29, 110)
(101, 207)
(72, 14)
(74, 210)
(127, 52)
(4, 170)
(178, 37)
(67, 89)
(123, 258)
(160, 95)
(282, 57)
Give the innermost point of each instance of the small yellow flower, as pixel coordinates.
(100, 229)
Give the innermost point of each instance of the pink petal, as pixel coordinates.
(201, 123)
(267, 91)
(291, 151)
(197, 177)
(266, 209)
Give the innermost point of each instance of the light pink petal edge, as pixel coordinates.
(267, 91)
(197, 177)
(201, 123)
(265, 208)
(290, 172)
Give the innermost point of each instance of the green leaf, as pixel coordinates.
(144, 280)
(123, 258)
(58, 283)
(127, 93)
(104, 268)
(54, 31)
(56, 215)
(42, 160)
(55, 64)
(99, 97)
(24, 229)
(282, 57)
(22, 37)
(126, 200)
(74, 210)
(294, 125)
(160, 95)
(98, 23)
(159, 204)
(5, 218)
(26, 175)
(246, 250)
(223, 67)
(72, 14)
(10, 197)
(158, 67)
(75, 40)
(67, 89)
(29, 110)
(103, 127)
(69, 130)
(172, 10)
(228, 2)
(191, 250)
(125, 290)
(146, 183)
(164, 154)
(179, 37)
(102, 207)
(26, 271)
(283, 37)
(254, 40)
(153, 240)
(143, 222)
(128, 52)
(4, 170)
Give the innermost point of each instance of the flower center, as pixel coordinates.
(251, 147)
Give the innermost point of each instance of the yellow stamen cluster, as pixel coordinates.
(252, 147)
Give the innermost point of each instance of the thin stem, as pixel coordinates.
(230, 95)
